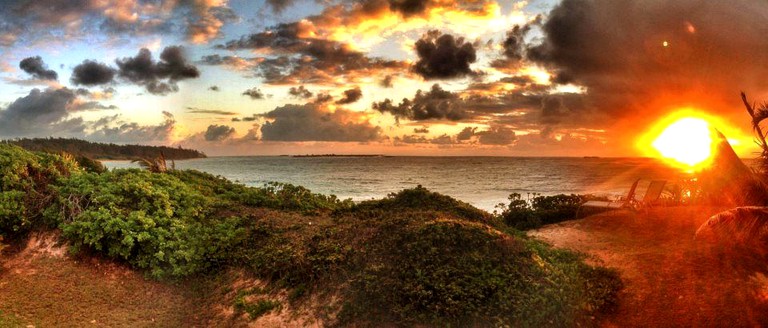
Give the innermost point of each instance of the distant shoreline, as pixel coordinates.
(338, 155)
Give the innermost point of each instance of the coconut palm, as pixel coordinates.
(155, 165)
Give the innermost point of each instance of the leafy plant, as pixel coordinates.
(524, 214)
(155, 165)
(153, 221)
(26, 181)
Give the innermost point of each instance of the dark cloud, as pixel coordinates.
(421, 130)
(90, 73)
(442, 56)
(92, 105)
(437, 104)
(300, 92)
(219, 132)
(387, 81)
(251, 118)
(616, 49)
(254, 93)
(497, 135)
(114, 129)
(466, 133)
(194, 110)
(310, 122)
(304, 59)
(41, 114)
(214, 88)
(323, 98)
(45, 113)
(32, 20)
(351, 96)
(234, 62)
(513, 46)
(279, 5)
(408, 7)
(518, 80)
(157, 77)
(37, 68)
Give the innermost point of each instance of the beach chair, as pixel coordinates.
(624, 202)
(651, 196)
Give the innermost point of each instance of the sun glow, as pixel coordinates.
(687, 139)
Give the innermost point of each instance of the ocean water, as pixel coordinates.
(480, 181)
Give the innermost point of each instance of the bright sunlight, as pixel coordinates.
(687, 138)
(687, 141)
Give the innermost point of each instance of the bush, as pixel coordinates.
(25, 186)
(153, 221)
(422, 199)
(289, 197)
(452, 272)
(541, 210)
(90, 165)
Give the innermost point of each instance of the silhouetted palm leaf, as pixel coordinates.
(156, 165)
(738, 225)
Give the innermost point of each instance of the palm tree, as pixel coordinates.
(155, 165)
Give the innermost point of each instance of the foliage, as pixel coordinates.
(155, 165)
(25, 180)
(255, 309)
(454, 272)
(90, 165)
(289, 197)
(82, 148)
(153, 221)
(421, 198)
(522, 214)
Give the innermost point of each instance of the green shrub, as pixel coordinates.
(289, 197)
(90, 165)
(25, 186)
(153, 221)
(454, 272)
(255, 309)
(522, 214)
(296, 255)
(422, 199)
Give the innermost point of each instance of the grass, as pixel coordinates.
(254, 308)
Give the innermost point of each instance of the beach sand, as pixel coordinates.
(670, 278)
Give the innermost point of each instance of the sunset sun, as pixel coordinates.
(687, 141)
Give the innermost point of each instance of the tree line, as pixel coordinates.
(108, 151)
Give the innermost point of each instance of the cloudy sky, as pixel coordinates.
(407, 77)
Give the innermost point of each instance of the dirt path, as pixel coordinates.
(670, 278)
(42, 287)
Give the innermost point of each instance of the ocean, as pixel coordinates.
(481, 181)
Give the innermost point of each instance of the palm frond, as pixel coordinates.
(155, 165)
(739, 225)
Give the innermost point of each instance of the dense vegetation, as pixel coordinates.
(82, 148)
(414, 257)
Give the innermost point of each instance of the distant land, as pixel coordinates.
(340, 155)
(105, 151)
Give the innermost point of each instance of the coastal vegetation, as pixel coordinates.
(81, 148)
(412, 258)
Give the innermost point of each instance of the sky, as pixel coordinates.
(396, 77)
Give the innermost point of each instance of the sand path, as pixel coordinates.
(671, 280)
